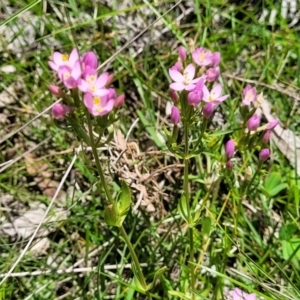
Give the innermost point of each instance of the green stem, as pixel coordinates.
(111, 201)
(187, 196)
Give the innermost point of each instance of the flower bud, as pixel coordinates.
(208, 110)
(55, 90)
(109, 79)
(229, 149)
(173, 96)
(89, 58)
(229, 165)
(266, 137)
(264, 154)
(119, 101)
(212, 74)
(182, 53)
(60, 110)
(253, 122)
(177, 66)
(175, 115)
(273, 124)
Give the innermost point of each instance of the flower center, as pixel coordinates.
(186, 79)
(91, 79)
(97, 101)
(65, 57)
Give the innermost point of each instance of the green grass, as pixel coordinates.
(254, 246)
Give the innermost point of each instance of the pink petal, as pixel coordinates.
(190, 87)
(176, 76)
(88, 100)
(221, 99)
(102, 80)
(108, 107)
(190, 70)
(57, 58)
(177, 86)
(206, 93)
(101, 92)
(74, 56)
(217, 90)
(76, 71)
(83, 85)
(52, 65)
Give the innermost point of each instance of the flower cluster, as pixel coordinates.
(193, 80)
(79, 73)
(249, 99)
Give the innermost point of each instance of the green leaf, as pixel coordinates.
(287, 231)
(182, 208)
(273, 184)
(138, 279)
(157, 275)
(178, 294)
(124, 202)
(110, 217)
(206, 226)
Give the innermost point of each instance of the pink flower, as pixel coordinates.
(119, 101)
(249, 95)
(216, 58)
(99, 106)
(70, 75)
(253, 122)
(59, 110)
(182, 53)
(264, 154)
(93, 84)
(273, 124)
(202, 57)
(208, 110)
(59, 60)
(55, 90)
(175, 115)
(195, 96)
(238, 294)
(183, 81)
(177, 66)
(89, 59)
(215, 95)
(229, 149)
(212, 74)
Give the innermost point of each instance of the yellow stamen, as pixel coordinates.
(65, 57)
(97, 100)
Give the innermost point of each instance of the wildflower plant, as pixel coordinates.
(90, 106)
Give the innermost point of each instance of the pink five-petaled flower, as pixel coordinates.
(175, 115)
(249, 95)
(183, 81)
(70, 75)
(264, 154)
(99, 106)
(253, 122)
(59, 60)
(60, 110)
(93, 84)
(89, 59)
(215, 95)
(238, 294)
(202, 57)
(229, 149)
(195, 96)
